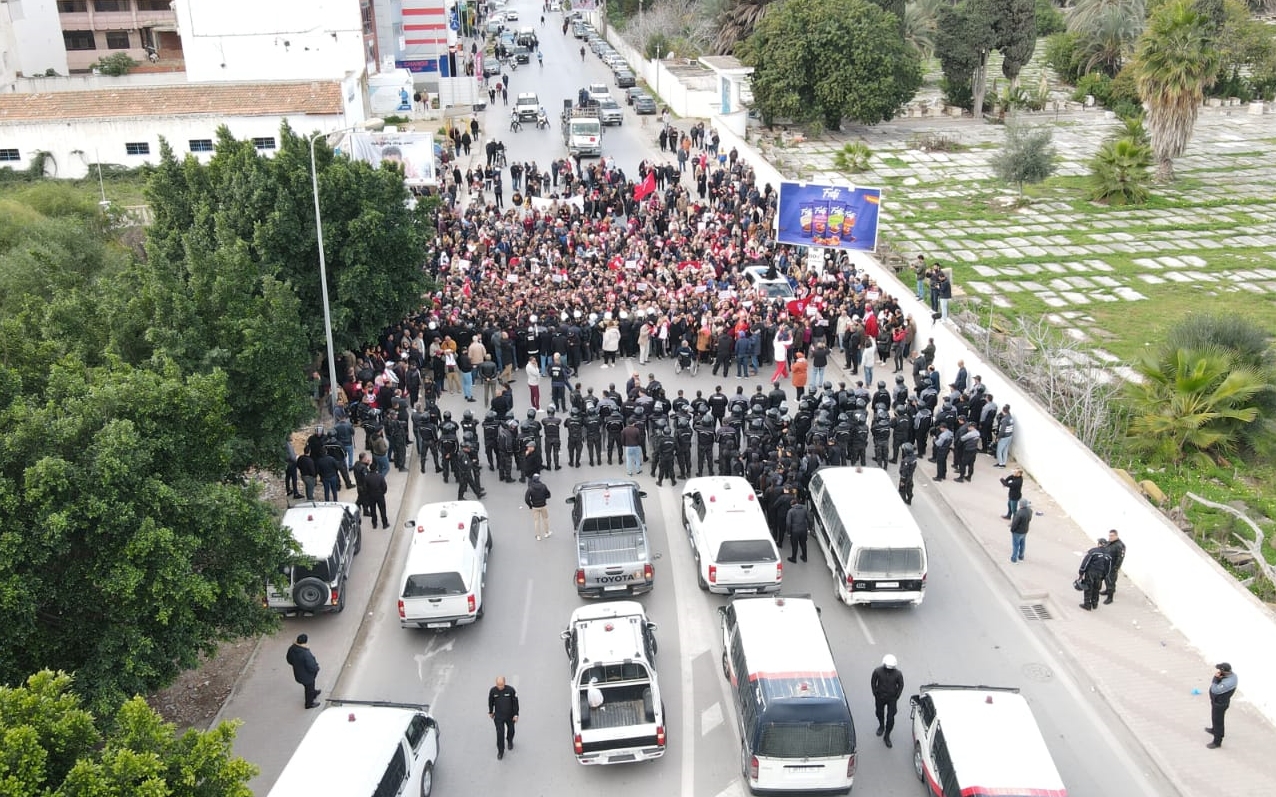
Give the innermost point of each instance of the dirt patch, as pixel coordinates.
(197, 695)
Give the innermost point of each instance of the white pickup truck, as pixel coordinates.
(616, 712)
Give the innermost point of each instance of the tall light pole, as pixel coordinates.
(369, 124)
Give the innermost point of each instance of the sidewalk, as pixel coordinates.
(1129, 653)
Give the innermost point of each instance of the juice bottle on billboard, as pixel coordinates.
(848, 224)
(805, 211)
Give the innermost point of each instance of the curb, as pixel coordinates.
(239, 679)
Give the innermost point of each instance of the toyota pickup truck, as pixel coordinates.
(616, 712)
(613, 557)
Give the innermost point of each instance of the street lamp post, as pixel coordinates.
(369, 124)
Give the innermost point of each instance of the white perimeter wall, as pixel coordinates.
(1220, 617)
(699, 100)
(250, 40)
(74, 147)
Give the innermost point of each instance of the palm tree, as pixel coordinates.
(921, 19)
(1087, 14)
(1175, 62)
(1119, 172)
(737, 22)
(1191, 403)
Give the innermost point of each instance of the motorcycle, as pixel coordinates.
(515, 125)
(542, 120)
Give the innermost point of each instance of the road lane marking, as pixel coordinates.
(859, 618)
(527, 614)
(710, 718)
(687, 642)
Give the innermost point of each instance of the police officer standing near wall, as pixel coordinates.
(1116, 550)
(1094, 569)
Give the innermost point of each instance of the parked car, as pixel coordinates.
(328, 536)
(511, 16)
(491, 66)
(632, 92)
(644, 105)
(625, 79)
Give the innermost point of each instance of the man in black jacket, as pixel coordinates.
(1116, 550)
(502, 707)
(305, 669)
(1094, 569)
(887, 684)
(374, 490)
(798, 523)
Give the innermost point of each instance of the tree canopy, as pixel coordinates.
(830, 60)
(968, 31)
(50, 745)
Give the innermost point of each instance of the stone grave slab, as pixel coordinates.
(1074, 297)
(1129, 294)
(1080, 282)
(1178, 276)
(1107, 282)
(1151, 279)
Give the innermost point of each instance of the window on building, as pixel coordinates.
(137, 148)
(9, 155)
(79, 40)
(154, 5)
(201, 145)
(366, 11)
(264, 142)
(72, 6)
(117, 40)
(110, 5)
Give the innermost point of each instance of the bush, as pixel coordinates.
(1120, 172)
(115, 65)
(853, 157)
(959, 95)
(1095, 84)
(1049, 19)
(1064, 55)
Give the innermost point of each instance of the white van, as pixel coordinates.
(445, 568)
(359, 748)
(980, 740)
(796, 731)
(730, 541)
(871, 543)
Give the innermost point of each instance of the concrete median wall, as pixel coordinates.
(1222, 619)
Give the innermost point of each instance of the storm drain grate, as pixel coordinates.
(1034, 611)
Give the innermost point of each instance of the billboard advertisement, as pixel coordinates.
(414, 152)
(827, 215)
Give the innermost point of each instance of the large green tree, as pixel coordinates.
(126, 553)
(49, 745)
(969, 31)
(830, 60)
(1176, 60)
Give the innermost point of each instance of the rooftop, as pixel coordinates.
(226, 99)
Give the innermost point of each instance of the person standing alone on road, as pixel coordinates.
(1094, 568)
(1221, 690)
(502, 707)
(537, 500)
(887, 684)
(1019, 523)
(1116, 550)
(304, 668)
(798, 522)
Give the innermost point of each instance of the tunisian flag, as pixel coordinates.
(645, 187)
(796, 307)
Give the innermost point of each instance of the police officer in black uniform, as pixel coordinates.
(397, 433)
(881, 432)
(683, 435)
(552, 427)
(907, 467)
(507, 446)
(575, 437)
(901, 430)
(704, 442)
(469, 431)
(466, 464)
(728, 446)
(424, 436)
(614, 422)
(666, 448)
(593, 437)
(491, 435)
(449, 444)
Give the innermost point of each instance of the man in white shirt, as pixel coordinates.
(534, 382)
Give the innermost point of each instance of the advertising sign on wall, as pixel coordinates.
(827, 215)
(414, 152)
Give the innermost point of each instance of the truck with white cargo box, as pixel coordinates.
(613, 557)
(616, 712)
(582, 130)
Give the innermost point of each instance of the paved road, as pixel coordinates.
(967, 631)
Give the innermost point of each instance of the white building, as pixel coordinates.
(30, 39)
(74, 129)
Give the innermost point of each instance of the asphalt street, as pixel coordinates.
(967, 631)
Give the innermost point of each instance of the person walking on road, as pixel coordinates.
(887, 684)
(1221, 690)
(537, 500)
(1014, 491)
(1019, 523)
(304, 668)
(798, 522)
(1116, 550)
(502, 707)
(1094, 568)
(375, 489)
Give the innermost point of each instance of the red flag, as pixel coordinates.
(645, 187)
(796, 307)
(465, 289)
